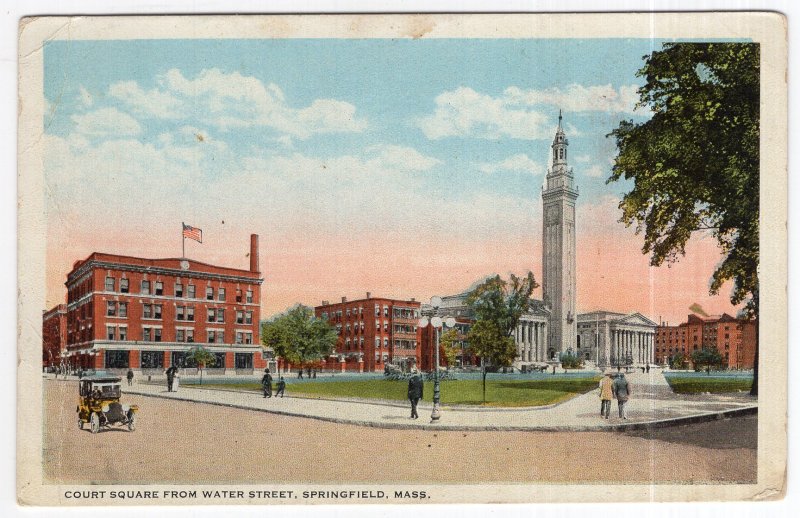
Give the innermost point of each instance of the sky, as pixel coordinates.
(406, 168)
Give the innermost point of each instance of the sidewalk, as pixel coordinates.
(652, 404)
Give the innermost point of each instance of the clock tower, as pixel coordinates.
(558, 250)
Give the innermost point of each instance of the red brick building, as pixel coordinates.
(373, 332)
(54, 335)
(129, 312)
(734, 339)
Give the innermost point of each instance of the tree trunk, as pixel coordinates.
(484, 383)
(754, 387)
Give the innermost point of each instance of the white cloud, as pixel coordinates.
(150, 103)
(465, 112)
(519, 162)
(595, 171)
(402, 158)
(233, 100)
(106, 122)
(582, 159)
(85, 97)
(517, 113)
(578, 98)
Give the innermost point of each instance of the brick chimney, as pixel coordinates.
(254, 253)
(344, 299)
(369, 295)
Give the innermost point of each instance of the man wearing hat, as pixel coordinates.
(415, 387)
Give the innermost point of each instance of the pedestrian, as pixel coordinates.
(170, 372)
(314, 373)
(300, 373)
(281, 387)
(130, 377)
(648, 368)
(415, 389)
(606, 394)
(622, 391)
(554, 369)
(308, 373)
(266, 383)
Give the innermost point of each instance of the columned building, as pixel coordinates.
(558, 250)
(608, 339)
(530, 335)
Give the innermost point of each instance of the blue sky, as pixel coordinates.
(348, 157)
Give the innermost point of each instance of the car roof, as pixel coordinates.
(102, 379)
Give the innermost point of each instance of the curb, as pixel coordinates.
(647, 425)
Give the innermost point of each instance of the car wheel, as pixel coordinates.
(80, 424)
(95, 421)
(132, 422)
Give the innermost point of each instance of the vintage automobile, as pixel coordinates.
(99, 405)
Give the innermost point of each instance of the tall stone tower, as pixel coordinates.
(558, 250)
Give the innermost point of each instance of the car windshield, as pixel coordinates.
(108, 391)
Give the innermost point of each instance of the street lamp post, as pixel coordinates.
(437, 323)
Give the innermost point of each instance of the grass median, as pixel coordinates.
(698, 384)
(499, 393)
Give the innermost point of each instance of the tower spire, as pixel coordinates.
(559, 118)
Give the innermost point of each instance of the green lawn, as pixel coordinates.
(510, 393)
(697, 384)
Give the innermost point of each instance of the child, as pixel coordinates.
(281, 386)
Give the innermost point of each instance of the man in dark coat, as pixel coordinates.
(622, 391)
(170, 372)
(415, 387)
(266, 383)
(281, 387)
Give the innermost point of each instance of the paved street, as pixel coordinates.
(651, 401)
(184, 442)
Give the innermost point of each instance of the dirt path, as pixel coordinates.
(180, 442)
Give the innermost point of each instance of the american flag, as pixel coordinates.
(193, 233)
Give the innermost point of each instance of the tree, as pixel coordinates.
(449, 345)
(298, 336)
(202, 357)
(695, 162)
(706, 357)
(677, 361)
(497, 306)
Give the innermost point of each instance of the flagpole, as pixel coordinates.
(183, 242)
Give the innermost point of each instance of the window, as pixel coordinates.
(361, 343)
(211, 336)
(146, 334)
(190, 313)
(123, 309)
(221, 294)
(240, 317)
(386, 311)
(238, 295)
(157, 311)
(110, 283)
(239, 337)
(348, 312)
(178, 289)
(248, 338)
(111, 309)
(152, 359)
(386, 342)
(180, 313)
(145, 287)
(248, 317)
(190, 291)
(220, 337)
(123, 333)
(209, 293)
(159, 288)
(212, 315)
(147, 311)
(117, 360)
(179, 335)
(377, 343)
(220, 315)
(347, 344)
(385, 326)
(377, 310)
(249, 299)
(111, 332)
(190, 335)
(123, 285)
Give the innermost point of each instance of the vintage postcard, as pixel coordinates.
(402, 259)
